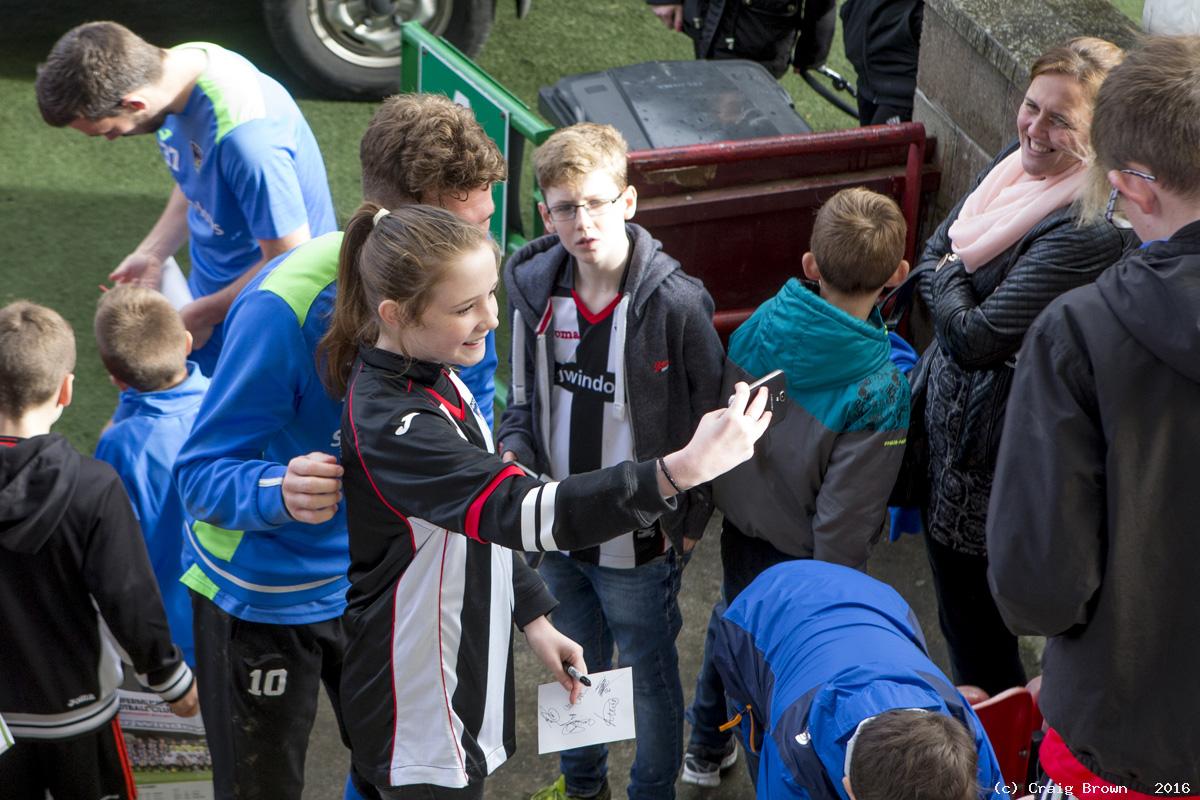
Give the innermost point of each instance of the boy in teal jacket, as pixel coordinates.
(818, 484)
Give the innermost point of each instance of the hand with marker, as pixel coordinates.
(559, 654)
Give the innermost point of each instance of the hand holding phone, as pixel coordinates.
(776, 385)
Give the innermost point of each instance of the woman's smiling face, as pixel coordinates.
(1051, 124)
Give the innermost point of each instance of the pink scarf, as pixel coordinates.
(1005, 206)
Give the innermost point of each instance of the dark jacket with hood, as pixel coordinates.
(775, 33)
(882, 38)
(672, 360)
(1092, 526)
(72, 561)
(817, 485)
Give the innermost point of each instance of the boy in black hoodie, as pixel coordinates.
(73, 569)
(614, 358)
(1091, 531)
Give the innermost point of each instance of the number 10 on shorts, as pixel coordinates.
(272, 683)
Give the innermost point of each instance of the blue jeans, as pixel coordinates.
(637, 610)
(709, 709)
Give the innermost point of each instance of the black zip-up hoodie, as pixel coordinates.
(671, 362)
(1092, 528)
(73, 563)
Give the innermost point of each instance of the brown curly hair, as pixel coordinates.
(418, 146)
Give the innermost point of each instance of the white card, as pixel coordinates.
(175, 285)
(604, 712)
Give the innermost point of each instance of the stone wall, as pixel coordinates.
(974, 68)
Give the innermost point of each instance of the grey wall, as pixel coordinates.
(974, 68)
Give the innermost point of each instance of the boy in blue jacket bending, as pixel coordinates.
(145, 347)
(838, 698)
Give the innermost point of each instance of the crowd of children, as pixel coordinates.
(219, 522)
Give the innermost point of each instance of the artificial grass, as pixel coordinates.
(71, 208)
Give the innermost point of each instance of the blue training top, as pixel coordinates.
(142, 447)
(249, 165)
(266, 406)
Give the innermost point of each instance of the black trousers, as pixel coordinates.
(983, 652)
(93, 764)
(870, 113)
(744, 558)
(258, 686)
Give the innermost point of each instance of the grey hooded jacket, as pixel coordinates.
(670, 375)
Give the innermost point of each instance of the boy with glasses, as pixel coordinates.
(1091, 528)
(614, 358)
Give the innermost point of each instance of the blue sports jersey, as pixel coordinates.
(142, 448)
(248, 164)
(266, 406)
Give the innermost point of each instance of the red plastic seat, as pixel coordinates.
(1010, 719)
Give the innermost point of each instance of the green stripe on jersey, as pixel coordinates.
(231, 106)
(198, 582)
(218, 541)
(305, 273)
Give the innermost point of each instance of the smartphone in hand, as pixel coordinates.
(776, 385)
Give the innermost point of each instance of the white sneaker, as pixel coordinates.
(702, 772)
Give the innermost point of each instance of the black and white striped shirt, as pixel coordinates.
(588, 427)
(435, 589)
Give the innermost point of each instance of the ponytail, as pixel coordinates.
(353, 320)
(388, 255)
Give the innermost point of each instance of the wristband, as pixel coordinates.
(662, 464)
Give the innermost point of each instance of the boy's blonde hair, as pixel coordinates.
(1148, 112)
(858, 240)
(141, 338)
(37, 350)
(574, 152)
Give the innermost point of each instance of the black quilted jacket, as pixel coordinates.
(980, 320)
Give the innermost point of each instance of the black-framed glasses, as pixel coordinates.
(565, 212)
(1112, 196)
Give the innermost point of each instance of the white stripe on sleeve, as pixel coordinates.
(546, 530)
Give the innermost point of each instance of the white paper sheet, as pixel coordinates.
(174, 284)
(604, 712)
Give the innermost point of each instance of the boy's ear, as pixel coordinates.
(808, 263)
(117, 383)
(547, 223)
(846, 784)
(898, 276)
(187, 343)
(66, 390)
(629, 201)
(1138, 191)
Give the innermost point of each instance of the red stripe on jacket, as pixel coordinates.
(475, 510)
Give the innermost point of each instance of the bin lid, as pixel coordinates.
(676, 103)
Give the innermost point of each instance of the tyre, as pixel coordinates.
(348, 50)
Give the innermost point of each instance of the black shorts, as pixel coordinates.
(258, 685)
(90, 765)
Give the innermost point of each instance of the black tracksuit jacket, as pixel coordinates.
(72, 560)
(427, 685)
(1092, 528)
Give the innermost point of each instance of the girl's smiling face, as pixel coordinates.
(461, 311)
(1051, 124)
